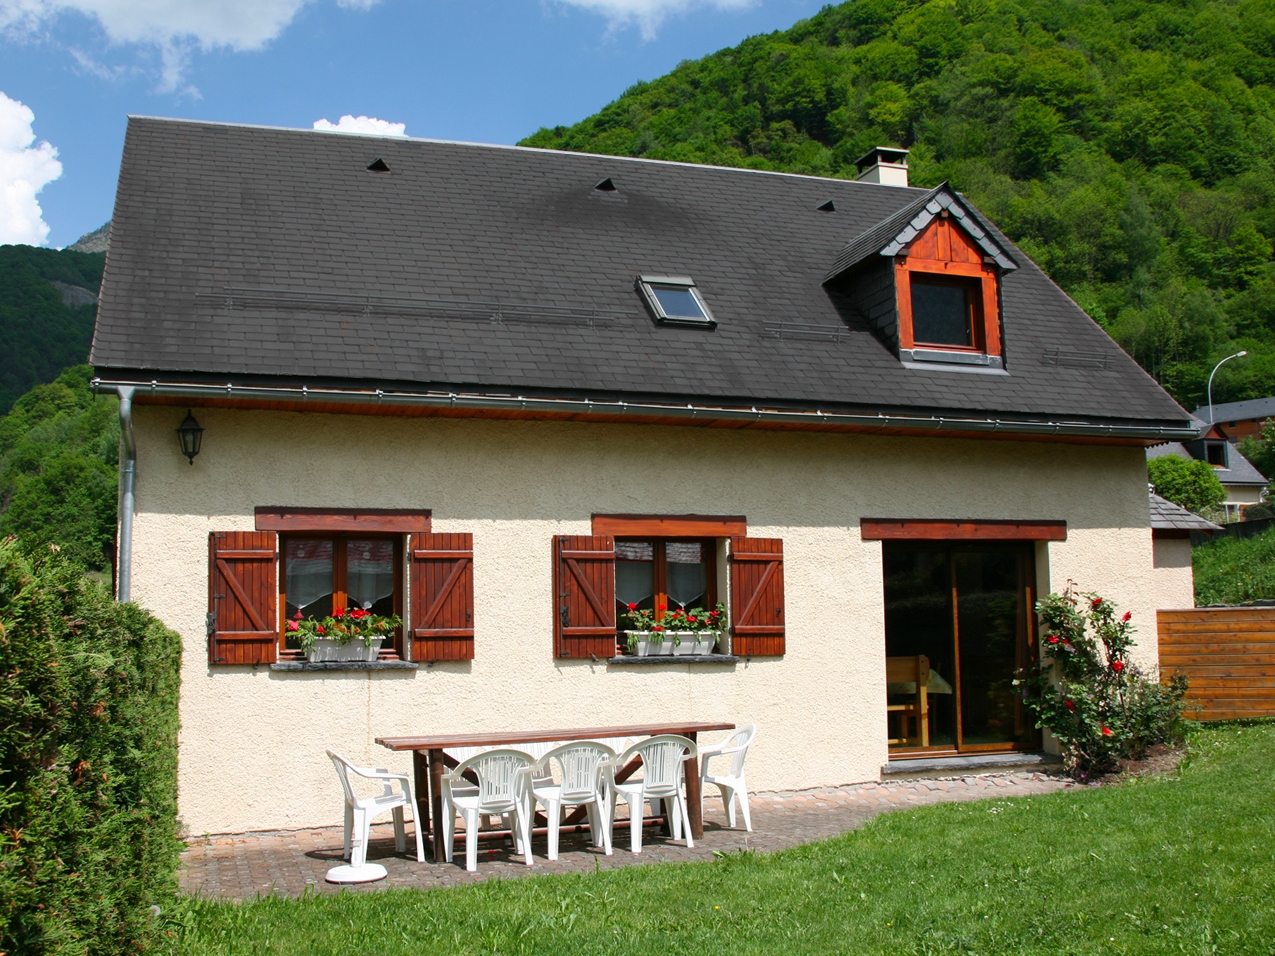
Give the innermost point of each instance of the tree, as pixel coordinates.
(1186, 482)
(1261, 451)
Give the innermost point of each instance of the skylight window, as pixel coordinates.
(675, 300)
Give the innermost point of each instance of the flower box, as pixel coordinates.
(355, 650)
(687, 643)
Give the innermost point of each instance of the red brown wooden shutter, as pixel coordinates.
(757, 596)
(584, 595)
(442, 597)
(243, 594)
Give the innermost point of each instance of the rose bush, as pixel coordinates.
(1098, 704)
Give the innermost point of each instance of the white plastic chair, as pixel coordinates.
(732, 785)
(359, 811)
(581, 781)
(662, 758)
(504, 789)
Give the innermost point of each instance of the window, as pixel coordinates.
(1216, 452)
(944, 312)
(674, 300)
(669, 573)
(321, 573)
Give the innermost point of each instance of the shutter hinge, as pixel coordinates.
(565, 615)
(211, 622)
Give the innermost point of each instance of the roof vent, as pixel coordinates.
(885, 165)
(379, 165)
(606, 186)
(828, 206)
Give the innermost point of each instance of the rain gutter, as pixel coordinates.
(193, 391)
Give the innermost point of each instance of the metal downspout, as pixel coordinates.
(128, 472)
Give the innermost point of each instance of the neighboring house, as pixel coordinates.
(1171, 529)
(1244, 484)
(1239, 420)
(508, 392)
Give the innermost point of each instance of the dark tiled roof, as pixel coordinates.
(1239, 472)
(254, 253)
(1239, 411)
(905, 225)
(1166, 516)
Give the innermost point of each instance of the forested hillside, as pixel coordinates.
(1126, 145)
(48, 300)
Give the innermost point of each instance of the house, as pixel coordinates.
(1243, 483)
(507, 392)
(1239, 420)
(1171, 530)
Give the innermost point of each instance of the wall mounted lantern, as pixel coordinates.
(191, 436)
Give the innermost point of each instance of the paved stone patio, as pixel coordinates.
(243, 866)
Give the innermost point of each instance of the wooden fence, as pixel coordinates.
(1228, 655)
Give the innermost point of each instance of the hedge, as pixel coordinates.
(88, 763)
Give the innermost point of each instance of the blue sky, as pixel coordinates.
(488, 71)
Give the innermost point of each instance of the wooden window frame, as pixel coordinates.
(340, 572)
(660, 570)
(976, 332)
(937, 529)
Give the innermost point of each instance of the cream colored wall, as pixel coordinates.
(1174, 579)
(253, 741)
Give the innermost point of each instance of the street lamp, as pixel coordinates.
(1240, 354)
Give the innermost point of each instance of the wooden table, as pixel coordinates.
(429, 764)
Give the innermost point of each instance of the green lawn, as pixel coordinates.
(1178, 864)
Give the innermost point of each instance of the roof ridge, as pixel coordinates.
(516, 148)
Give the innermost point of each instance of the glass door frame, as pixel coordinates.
(1027, 645)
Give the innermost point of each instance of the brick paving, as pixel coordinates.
(286, 863)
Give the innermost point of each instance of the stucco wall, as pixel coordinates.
(253, 741)
(1174, 579)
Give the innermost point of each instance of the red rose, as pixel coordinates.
(632, 607)
(1097, 602)
(692, 618)
(1108, 732)
(339, 612)
(1117, 666)
(1070, 705)
(1053, 639)
(1127, 615)
(319, 628)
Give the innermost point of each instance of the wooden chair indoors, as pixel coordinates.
(909, 677)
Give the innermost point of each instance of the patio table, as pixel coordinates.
(429, 763)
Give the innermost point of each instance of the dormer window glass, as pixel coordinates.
(944, 312)
(1216, 453)
(674, 300)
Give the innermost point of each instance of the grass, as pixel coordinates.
(1183, 863)
(1231, 570)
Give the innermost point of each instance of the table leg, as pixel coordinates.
(436, 769)
(420, 780)
(693, 809)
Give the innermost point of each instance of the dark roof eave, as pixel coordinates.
(893, 419)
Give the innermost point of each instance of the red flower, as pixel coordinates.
(1053, 639)
(714, 613)
(1097, 602)
(657, 627)
(1117, 666)
(1108, 732)
(339, 612)
(319, 628)
(294, 626)
(661, 607)
(632, 607)
(692, 618)
(1070, 705)
(1127, 615)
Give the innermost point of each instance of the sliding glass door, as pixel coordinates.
(958, 627)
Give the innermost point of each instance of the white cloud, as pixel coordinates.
(362, 124)
(648, 15)
(24, 171)
(176, 27)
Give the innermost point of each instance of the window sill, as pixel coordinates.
(967, 359)
(344, 666)
(627, 660)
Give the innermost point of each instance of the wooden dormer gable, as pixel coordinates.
(928, 282)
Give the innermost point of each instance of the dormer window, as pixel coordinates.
(945, 312)
(674, 300)
(1215, 451)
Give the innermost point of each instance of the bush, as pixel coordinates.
(1261, 451)
(88, 762)
(1235, 570)
(1186, 481)
(1087, 692)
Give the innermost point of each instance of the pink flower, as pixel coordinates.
(294, 626)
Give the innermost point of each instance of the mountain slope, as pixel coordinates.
(1127, 146)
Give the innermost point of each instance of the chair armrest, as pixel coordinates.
(371, 774)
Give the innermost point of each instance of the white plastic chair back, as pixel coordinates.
(662, 758)
(580, 766)
(343, 767)
(736, 745)
(502, 779)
